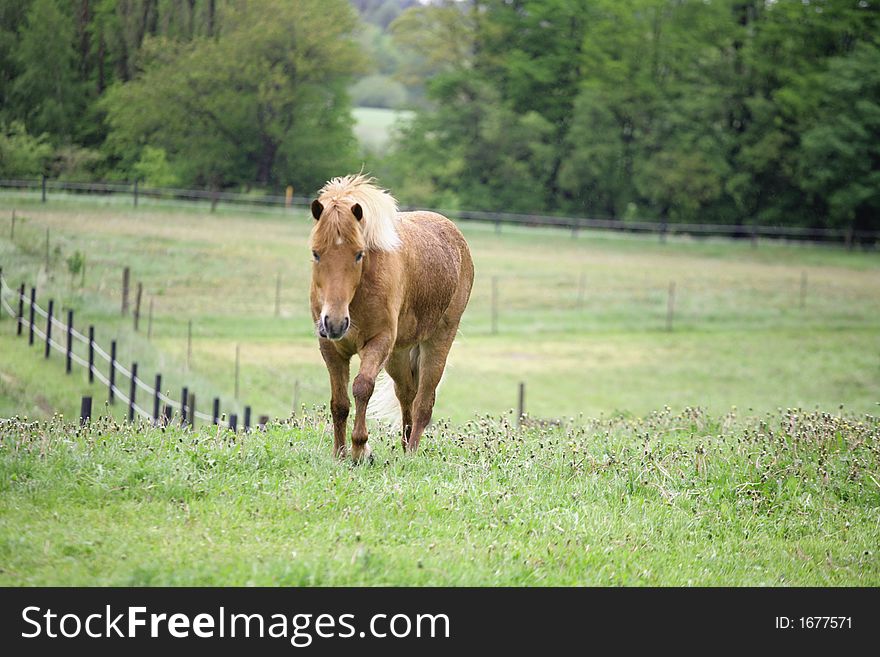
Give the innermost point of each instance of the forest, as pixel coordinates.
(710, 111)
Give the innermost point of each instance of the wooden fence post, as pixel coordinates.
(184, 397)
(32, 311)
(49, 327)
(91, 354)
(131, 391)
(192, 410)
(44, 189)
(85, 411)
(156, 400)
(137, 306)
(20, 317)
(126, 275)
(670, 306)
(68, 365)
(521, 404)
(112, 377)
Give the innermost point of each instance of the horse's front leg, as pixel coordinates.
(338, 367)
(373, 357)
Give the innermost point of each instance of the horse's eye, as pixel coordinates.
(316, 256)
(359, 256)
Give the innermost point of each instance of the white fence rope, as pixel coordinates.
(173, 404)
(5, 290)
(103, 379)
(100, 352)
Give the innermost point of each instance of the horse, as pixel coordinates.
(391, 287)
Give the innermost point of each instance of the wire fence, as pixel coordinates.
(133, 190)
(25, 311)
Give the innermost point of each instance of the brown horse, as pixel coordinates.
(391, 287)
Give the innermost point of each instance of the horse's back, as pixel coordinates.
(438, 248)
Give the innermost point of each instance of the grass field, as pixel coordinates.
(619, 490)
(672, 499)
(740, 334)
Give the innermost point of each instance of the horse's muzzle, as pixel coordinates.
(333, 330)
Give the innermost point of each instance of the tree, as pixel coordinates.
(46, 92)
(22, 154)
(839, 163)
(263, 101)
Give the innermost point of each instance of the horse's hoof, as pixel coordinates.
(365, 455)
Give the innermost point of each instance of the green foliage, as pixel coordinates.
(840, 151)
(288, 119)
(154, 170)
(75, 263)
(21, 154)
(76, 163)
(730, 111)
(46, 90)
(698, 112)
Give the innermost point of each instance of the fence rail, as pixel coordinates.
(845, 236)
(185, 406)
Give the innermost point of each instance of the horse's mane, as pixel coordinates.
(379, 223)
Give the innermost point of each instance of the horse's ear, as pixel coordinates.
(317, 209)
(357, 211)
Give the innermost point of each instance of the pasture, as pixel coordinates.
(642, 473)
(581, 321)
(671, 499)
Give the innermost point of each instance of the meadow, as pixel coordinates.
(581, 321)
(739, 447)
(671, 499)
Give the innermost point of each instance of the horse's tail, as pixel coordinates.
(383, 404)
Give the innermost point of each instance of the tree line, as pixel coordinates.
(206, 93)
(711, 111)
(716, 111)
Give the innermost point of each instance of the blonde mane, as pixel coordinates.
(379, 223)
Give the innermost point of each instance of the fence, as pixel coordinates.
(160, 414)
(846, 236)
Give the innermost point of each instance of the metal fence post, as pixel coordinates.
(49, 327)
(68, 365)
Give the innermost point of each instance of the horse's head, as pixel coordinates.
(338, 250)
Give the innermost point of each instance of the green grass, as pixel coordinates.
(617, 489)
(740, 334)
(789, 498)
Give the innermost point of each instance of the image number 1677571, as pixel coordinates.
(814, 623)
